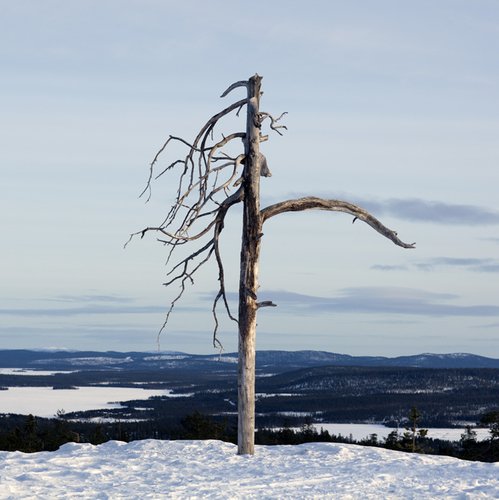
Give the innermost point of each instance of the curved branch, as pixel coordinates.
(240, 83)
(208, 126)
(313, 203)
(223, 142)
(224, 207)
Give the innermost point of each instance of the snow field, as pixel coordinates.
(210, 469)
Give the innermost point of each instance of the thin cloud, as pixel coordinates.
(440, 213)
(92, 298)
(475, 265)
(489, 325)
(379, 300)
(382, 267)
(81, 310)
(93, 309)
(468, 264)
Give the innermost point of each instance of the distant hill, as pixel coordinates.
(427, 360)
(267, 361)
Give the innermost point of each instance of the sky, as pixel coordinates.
(392, 105)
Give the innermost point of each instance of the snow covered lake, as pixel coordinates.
(362, 431)
(212, 470)
(45, 402)
(25, 371)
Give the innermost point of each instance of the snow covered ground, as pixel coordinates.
(211, 469)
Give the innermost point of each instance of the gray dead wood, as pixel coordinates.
(208, 174)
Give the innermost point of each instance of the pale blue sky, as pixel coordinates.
(393, 105)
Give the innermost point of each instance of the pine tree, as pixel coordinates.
(413, 432)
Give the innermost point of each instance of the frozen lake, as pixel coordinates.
(361, 431)
(45, 402)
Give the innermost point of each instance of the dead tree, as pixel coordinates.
(211, 181)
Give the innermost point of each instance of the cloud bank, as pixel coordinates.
(484, 265)
(435, 212)
(380, 300)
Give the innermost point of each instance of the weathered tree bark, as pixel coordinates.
(248, 281)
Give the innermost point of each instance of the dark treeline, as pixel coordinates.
(30, 434)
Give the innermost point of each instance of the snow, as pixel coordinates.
(260, 395)
(153, 469)
(166, 357)
(223, 359)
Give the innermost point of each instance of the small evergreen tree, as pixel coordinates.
(392, 441)
(98, 435)
(468, 443)
(31, 441)
(371, 440)
(413, 432)
(468, 436)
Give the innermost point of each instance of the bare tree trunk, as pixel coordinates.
(248, 282)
